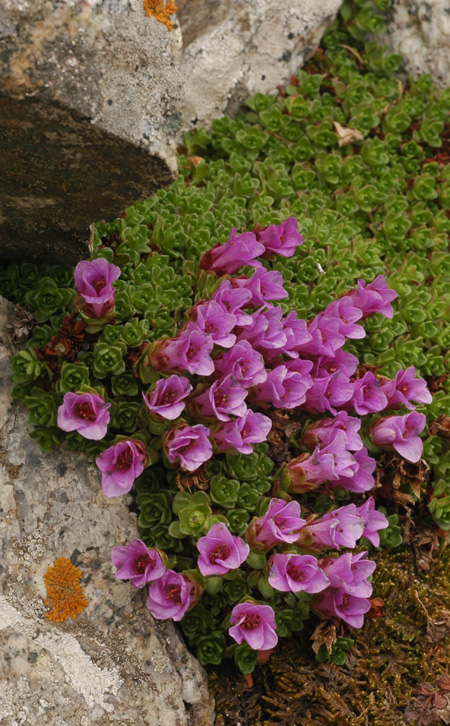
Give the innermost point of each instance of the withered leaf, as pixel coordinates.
(347, 135)
(324, 634)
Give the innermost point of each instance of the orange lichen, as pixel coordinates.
(160, 11)
(65, 596)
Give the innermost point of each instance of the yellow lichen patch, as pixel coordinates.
(65, 596)
(160, 11)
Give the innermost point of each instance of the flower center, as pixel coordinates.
(192, 352)
(403, 388)
(142, 562)
(295, 572)
(167, 398)
(98, 285)
(210, 328)
(252, 620)
(221, 399)
(174, 594)
(85, 410)
(124, 460)
(220, 553)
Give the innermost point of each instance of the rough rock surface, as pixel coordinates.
(114, 663)
(88, 112)
(420, 31)
(233, 50)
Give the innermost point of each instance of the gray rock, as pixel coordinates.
(88, 111)
(114, 663)
(233, 50)
(420, 31)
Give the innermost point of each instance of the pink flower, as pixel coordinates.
(266, 331)
(327, 392)
(264, 286)
(244, 363)
(338, 603)
(238, 251)
(342, 527)
(373, 521)
(281, 523)
(349, 573)
(86, 413)
(281, 238)
(166, 398)
(368, 396)
(255, 624)
(170, 596)
(284, 386)
(374, 298)
(214, 320)
(361, 479)
(406, 388)
(240, 434)
(329, 463)
(325, 430)
(120, 465)
(189, 445)
(402, 434)
(221, 551)
(233, 300)
(225, 398)
(345, 312)
(93, 281)
(294, 573)
(188, 352)
(138, 563)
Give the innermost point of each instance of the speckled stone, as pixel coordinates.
(114, 663)
(420, 31)
(88, 111)
(233, 50)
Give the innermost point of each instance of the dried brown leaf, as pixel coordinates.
(324, 634)
(347, 135)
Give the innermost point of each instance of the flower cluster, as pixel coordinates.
(215, 387)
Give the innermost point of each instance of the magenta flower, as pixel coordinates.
(93, 281)
(166, 400)
(406, 388)
(224, 259)
(170, 596)
(328, 392)
(281, 523)
(214, 320)
(294, 573)
(325, 430)
(240, 434)
(402, 434)
(325, 337)
(342, 527)
(255, 624)
(297, 334)
(368, 396)
(225, 398)
(138, 563)
(189, 445)
(341, 361)
(220, 551)
(266, 331)
(244, 363)
(86, 413)
(349, 573)
(283, 387)
(188, 352)
(233, 300)
(330, 463)
(283, 238)
(361, 479)
(338, 603)
(120, 465)
(373, 521)
(374, 298)
(345, 312)
(263, 285)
